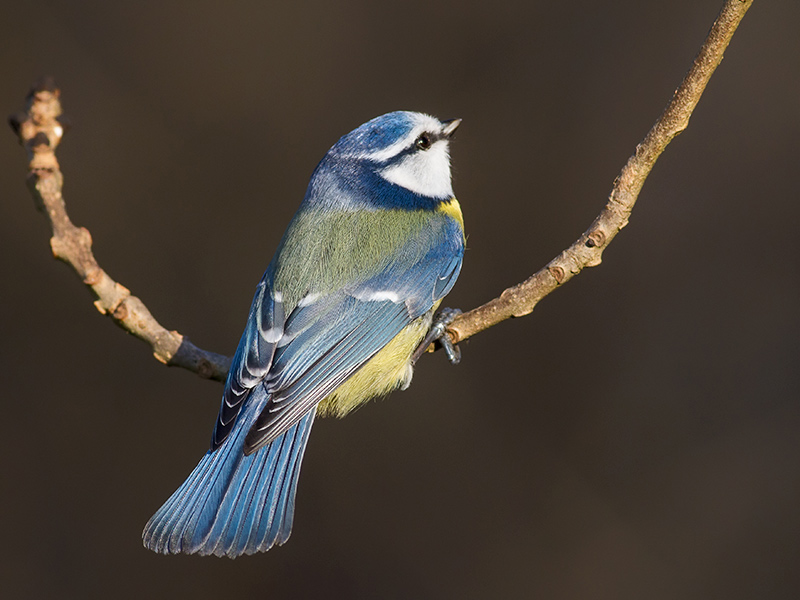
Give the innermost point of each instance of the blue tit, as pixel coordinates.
(348, 297)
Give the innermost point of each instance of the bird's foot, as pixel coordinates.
(438, 333)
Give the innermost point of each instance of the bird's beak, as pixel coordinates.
(450, 127)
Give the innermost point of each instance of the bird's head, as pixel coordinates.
(406, 149)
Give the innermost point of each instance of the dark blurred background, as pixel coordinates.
(637, 436)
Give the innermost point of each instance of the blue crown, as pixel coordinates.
(378, 134)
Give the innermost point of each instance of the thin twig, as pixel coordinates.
(41, 128)
(587, 250)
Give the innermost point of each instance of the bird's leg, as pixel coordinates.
(438, 333)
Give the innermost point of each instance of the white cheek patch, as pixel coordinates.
(425, 172)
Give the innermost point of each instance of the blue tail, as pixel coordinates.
(234, 504)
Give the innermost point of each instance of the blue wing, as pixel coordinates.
(253, 357)
(328, 338)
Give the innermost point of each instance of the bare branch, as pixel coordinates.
(587, 250)
(41, 128)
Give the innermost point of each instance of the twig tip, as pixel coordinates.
(46, 83)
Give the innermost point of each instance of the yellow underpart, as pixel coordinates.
(388, 370)
(453, 209)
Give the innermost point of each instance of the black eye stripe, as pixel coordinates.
(426, 139)
(413, 148)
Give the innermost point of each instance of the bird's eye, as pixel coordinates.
(423, 141)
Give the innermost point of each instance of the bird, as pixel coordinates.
(347, 304)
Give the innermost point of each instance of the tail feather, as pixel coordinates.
(233, 504)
